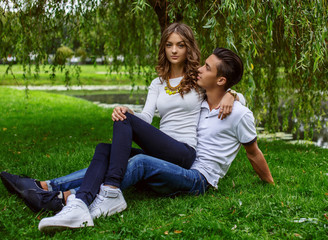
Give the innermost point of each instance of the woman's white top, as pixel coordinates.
(179, 115)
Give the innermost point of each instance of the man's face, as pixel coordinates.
(207, 73)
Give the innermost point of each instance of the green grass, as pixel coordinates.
(49, 135)
(90, 75)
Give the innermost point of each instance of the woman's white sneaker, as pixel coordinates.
(74, 215)
(108, 202)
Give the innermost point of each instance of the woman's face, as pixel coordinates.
(175, 49)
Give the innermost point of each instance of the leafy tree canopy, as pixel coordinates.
(282, 43)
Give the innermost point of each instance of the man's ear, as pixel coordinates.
(221, 81)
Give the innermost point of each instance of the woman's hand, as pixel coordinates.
(119, 113)
(225, 105)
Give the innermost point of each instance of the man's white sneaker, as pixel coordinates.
(74, 215)
(108, 202)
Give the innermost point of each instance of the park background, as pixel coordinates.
(114, 43)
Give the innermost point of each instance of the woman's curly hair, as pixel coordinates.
(192, 61)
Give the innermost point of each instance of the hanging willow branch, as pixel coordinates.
(282, 43)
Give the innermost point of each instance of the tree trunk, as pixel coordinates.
(160, 7)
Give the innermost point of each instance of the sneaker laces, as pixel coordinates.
(68, 208)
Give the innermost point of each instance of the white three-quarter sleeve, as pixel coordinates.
(148, 111)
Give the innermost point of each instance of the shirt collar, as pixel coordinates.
(205, 105)
(214, 112)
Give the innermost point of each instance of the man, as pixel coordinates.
(218, 144)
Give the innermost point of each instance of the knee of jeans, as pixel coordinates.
(102, 147)
(120, 124)
(137, 159)
(125, 121)
(128, 115)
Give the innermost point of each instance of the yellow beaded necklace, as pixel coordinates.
(172, 90)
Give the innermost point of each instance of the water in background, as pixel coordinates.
(137, 100)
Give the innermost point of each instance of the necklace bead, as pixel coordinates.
(172, 90)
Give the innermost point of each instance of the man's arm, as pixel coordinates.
(255, 156)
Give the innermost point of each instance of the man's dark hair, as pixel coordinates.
(231, 67)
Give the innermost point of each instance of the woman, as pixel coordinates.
(176, 96)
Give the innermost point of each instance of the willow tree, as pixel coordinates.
(283, 43)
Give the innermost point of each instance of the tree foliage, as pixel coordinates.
(282, 43)
(62, 54)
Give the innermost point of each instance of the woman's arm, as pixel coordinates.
(148, 110)
(227, 102)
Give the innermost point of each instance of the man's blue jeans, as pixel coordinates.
(161, 176)
(70, 182)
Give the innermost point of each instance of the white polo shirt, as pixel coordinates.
(219, 140)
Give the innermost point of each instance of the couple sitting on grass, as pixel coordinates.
(199, 137)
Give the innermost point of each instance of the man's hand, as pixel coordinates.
(258, 162)
(119, 113)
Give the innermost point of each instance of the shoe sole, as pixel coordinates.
(117, 209)
(52, 229)
(60, 227)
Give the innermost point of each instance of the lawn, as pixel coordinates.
(48, 135)
(89, 75)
